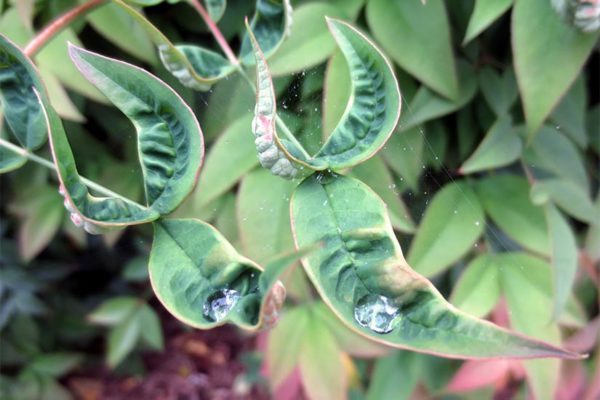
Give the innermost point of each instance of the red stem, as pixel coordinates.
(215, 31)
(56, 26)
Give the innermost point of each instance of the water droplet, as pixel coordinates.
(455, 211)
(477, 223)
(376, 313)
(218, 304)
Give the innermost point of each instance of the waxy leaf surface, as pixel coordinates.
(18, 78)
(361, 274)
(202, 280)
(170, 143)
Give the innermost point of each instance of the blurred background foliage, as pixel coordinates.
(500, 125)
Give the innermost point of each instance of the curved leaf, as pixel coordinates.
(10, 160)
(170, 143)
(86, 210)
(270, 24)
(361, 274)
(201, 279)
(534, 25)
(194, 66)
(484, 14)
(18, 78)
(374, 106)
(369, 120)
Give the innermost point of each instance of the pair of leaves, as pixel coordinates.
(369, 120)
(362, 275)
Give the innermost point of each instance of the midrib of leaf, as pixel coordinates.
(183, 250)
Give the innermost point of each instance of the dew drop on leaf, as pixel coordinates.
(218, 304)
(376, 313)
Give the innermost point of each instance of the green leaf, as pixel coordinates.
(55, 364)
(229, 159)
(569, 114)
(426, 105)
(320, 362)
(93, 213)
(170, 143)
(592, 240)
(501, 146)
(271, 23)
(564, 257)
(381, 181)
(43, 214)
(151, 333)
(552, 151)
(567, 195)
(114, 311)
(263, 215)
(114, 24)
(59, 98)
(450, 227)
(484, 14)
(304, 47)
(478, 289)
(336, 89)
(506, 201)
(215, 8)
(18, 78)
(534, 25)
(395, 376)
(404, 154)
(593, 127)
(194, 66)
(204, 282)
(367, 123)
(426, 50)
(361, 274)
(285, 342)
(499, 91)
(374, 106)
(10, 160)
(122, 340)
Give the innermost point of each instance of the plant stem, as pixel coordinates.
(234, 60)
(56, 26)
(215, 31)
(48, 164)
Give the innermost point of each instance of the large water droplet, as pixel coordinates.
(376, 313)
(218, 304)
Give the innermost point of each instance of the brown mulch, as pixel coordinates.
(196, 365)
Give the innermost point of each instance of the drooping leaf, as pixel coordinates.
(568, 196)
(506, 201)
(501, 146)
(551, 151)
(500, 91)
(426, 50)
(195, 67)
(18, 77)
(367, 123)
(450, 227)
(361, 274)
(201, 279)
(229, 159)
(170, 142)
(270, 24)
(426, 105)
(534, 25)
(484, 14)
(379, 178)
(478, 289)
(93, 213)
(306, 47)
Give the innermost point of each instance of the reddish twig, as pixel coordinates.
(215, 31)
(56, 26)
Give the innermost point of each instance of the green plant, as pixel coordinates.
(508, 218)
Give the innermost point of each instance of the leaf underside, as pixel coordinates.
(361, 262)
(170, 143)
(18, 77)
